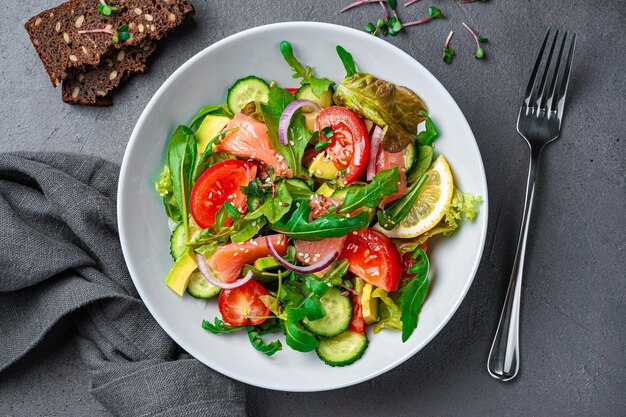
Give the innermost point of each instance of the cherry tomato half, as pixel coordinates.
(350, 145)
(242, 306)
(374, 258)
(292, 90)
(219, 184)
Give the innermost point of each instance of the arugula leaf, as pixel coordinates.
(246, 229)
(383, 184)
(214, 109)
(298, 192)
(347, 61)
(297, 226)
(318, 85)
(424, 158)
(277, 101)
(426, 137)
(254, 335)
(181, 158)
(296, 337)
(391, 216)
(275, 208)
(336, 271)
(414, 293)
(219, 327)
(299, 71)
(315, 286)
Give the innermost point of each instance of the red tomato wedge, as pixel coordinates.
(357, 322)
(350, 145)
(292, 90)
(374, 258)
(250, 140)
(228, 260)
(242, 306)
(309, 252)
(217, 185)
(388, 160)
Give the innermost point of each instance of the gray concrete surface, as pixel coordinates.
(573, 327)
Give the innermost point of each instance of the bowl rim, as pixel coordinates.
(122, 184)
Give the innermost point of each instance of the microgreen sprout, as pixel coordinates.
(448, 52)
(480, 53)
(433, 13)
(408, 3)
(362, 2)
(121, 34)
(105, 9)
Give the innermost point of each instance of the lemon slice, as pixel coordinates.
(430, 206)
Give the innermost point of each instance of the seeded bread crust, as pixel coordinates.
(87, 87)
(54, 33)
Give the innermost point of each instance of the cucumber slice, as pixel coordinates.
(338, 311)
(177, 241)
(199, 287)
(409, 154)
(343, 349)
(305, 93)
(246, 90)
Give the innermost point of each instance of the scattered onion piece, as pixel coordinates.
(208, 275)
(285, 118)
(377, 137)
(318, 266)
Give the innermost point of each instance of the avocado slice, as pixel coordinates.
(323, 168)
(369, 305)
(211, 126)
(325, 190)
(266, 263)
(178, 277)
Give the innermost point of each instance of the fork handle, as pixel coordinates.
(503, 363)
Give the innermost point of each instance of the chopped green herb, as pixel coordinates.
(321, 145)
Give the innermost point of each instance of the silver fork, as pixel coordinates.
(539, 123)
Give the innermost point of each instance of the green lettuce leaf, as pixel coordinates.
(181, 159)
(464, 206)
(388, 312)
(397, 109)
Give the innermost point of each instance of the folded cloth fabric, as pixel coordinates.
(60, 255)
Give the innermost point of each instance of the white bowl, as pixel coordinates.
(144, 232)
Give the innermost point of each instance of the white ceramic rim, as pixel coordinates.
(133, 138)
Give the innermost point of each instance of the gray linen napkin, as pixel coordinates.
(60, 255)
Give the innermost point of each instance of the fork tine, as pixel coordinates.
(559, 101)
(549, 99)
(546, 69)
(533, 75)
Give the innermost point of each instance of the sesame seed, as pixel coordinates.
(236, 254)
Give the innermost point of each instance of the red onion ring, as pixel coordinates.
(208, 275)
(318, 266)
(377, 137)
(285, 118)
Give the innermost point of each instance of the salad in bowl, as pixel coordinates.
(309, 211)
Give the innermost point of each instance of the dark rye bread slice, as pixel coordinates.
(54, 33)
(90, 87)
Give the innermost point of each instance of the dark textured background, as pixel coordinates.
(574, 309)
